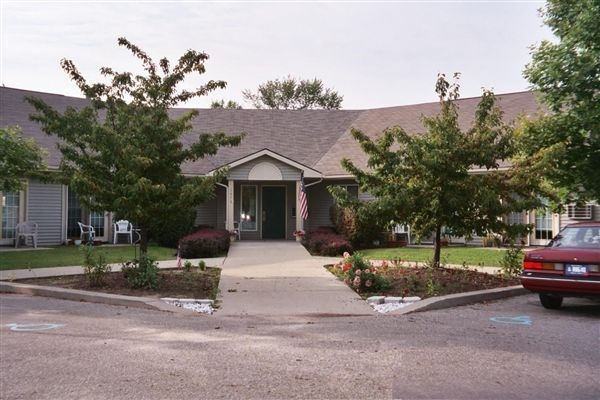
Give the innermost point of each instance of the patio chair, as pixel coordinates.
(26, 230)
(234, 234)
(87, 231)
(123, 227)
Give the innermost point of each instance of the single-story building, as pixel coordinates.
(261, 195)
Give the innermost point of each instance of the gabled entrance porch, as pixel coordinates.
(262, 196)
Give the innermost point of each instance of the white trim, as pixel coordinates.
(265, 171)
(308, 172)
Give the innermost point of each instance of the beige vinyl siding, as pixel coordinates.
(44, 206)
(212, 212)
(320, 202)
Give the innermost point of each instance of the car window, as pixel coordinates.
(583, 237)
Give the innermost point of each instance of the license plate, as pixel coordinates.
(576, 270)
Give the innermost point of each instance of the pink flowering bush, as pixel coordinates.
(207, 242)
(325, 242)
(360, 274)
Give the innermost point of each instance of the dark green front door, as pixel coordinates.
(273, 212)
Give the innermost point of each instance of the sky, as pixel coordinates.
(373, 53)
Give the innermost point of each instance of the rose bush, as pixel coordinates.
(360, 274)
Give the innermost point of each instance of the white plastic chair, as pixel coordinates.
(123, 227)
(86, 230)
(26, 230)
(236, 230)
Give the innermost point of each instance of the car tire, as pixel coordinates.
(551, 301)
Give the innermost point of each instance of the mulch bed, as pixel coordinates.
(427, 282)
(177, 283)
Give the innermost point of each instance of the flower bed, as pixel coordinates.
(404, 280)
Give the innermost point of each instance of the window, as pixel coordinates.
(514, 218)
(248, 208)
(10, 214)
(76, 213)
(352, 190)
(543, 225)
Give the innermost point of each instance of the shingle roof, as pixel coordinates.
(373, 122)
(14, 111)
(316, 138)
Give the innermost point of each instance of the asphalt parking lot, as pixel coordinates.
(510, 348)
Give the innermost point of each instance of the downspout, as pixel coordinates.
(314, 183)
(300, 225)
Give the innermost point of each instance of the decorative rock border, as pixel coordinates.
(384, 304)
(204, 306)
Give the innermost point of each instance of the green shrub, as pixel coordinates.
(202, 265)
(358, 223)
(207, 242)
(511, 263)
(168, 233)
(95, 267)
(142, 274)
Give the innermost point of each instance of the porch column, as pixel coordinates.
(229, 208)
(299, 220)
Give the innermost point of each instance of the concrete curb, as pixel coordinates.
(432, 303)
(91, 297)
(461, 299)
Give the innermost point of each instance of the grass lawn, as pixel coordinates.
(473, 256)
(63, 256)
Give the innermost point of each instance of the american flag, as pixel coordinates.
(303, 200)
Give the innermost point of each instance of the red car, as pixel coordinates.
(568, 267)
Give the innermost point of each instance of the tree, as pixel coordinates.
(426, 180)
(292, 94)
(567, 75)
(123, 152)
(232, 105)
(19, 158)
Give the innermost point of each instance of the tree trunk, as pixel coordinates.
(143, 241)
(437, 246)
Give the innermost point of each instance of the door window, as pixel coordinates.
(248, 208)
(10, 214)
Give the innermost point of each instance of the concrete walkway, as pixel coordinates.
(258, 278)
(281, 278)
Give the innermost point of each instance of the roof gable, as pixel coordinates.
(308, 172)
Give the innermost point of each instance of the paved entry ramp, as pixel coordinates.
(282, 278)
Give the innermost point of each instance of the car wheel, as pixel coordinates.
(551, 301)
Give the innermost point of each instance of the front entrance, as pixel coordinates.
(273, 212)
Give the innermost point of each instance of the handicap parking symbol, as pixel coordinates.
(32, 327)
(520, 320)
